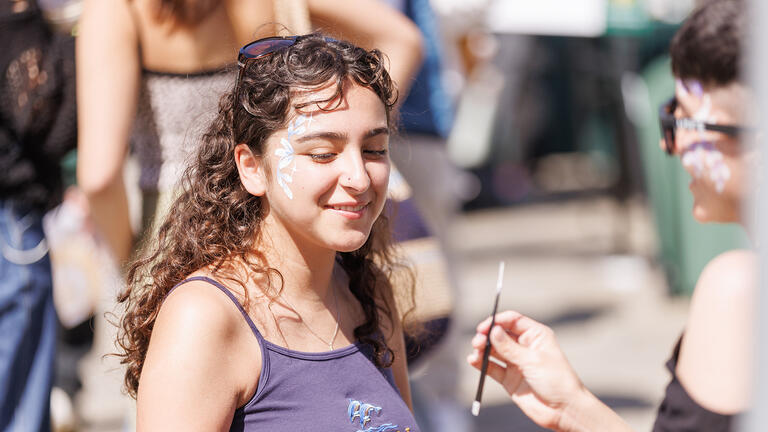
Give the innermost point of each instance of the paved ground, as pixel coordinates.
(609, 310)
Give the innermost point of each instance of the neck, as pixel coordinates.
(307, 269)
(748, 227)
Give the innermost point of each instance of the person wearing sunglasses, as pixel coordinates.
(707, 126)
(265, 302)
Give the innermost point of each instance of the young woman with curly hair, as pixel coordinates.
(265, 303)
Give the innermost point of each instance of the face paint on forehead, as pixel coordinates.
(695, 89)
(690, 86)
(286, 153)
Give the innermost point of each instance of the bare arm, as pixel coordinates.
(538, 377)
(107, 85)
(715, 357)
(373, 24)
(200, 363)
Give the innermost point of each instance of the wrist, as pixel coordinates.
(585, 412)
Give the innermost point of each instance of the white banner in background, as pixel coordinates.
(586, 18)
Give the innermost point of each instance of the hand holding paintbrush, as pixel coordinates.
(537, 376)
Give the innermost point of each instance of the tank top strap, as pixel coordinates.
(231, 296)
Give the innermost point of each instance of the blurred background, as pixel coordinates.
(554, 138)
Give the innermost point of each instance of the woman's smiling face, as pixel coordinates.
(327, 172)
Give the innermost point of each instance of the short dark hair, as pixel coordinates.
(709, 45)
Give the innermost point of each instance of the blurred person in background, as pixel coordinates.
(152, 71)
(37, 128)
(706, 125)
(280, 213)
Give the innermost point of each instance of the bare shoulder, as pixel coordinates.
(731, 275)
(196, 322)
(200, 354)
(196, 306)
(716, 352)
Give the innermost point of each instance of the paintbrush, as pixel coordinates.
(487, 351)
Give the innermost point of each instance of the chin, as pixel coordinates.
(704, 215)
(700, 214)
(351, 243)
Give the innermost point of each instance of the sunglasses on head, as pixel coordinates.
(669, 124)
(258, 49)
(264, 47)
(261, 48)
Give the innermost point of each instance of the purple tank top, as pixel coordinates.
(340, 390)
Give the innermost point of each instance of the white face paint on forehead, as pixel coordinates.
(702, 157)
(286, 153)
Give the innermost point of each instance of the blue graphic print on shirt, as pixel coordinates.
(360, 412)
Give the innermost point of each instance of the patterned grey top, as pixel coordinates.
(174, 110)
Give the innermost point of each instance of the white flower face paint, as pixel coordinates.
(286, 153)
(703, 157)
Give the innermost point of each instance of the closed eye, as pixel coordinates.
(375, 154)
(322, 157)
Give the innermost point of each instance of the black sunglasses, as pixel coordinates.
(669, 123)
(264, 47)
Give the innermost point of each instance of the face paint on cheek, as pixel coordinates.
(693, 159)
(286, 154)
(704, 157)
(720, 174)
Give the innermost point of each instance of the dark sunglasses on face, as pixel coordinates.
(669, 124)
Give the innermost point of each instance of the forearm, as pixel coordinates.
(109, 210)
(373, 24)
(587, 413)
(108, 72)
(405, 57)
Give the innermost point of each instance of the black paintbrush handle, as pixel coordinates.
(486, 352)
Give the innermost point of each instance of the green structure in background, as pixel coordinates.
(69, 168)
(686, 245)
(627, 18)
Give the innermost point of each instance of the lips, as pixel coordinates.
(351, 208)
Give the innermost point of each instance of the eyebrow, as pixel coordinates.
(339, 136)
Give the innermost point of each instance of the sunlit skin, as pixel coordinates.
(339, 173)
(728, 106)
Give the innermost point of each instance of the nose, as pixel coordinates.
(353, 175)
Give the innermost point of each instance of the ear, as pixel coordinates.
(251, 170)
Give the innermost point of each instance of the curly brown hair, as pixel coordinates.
(215, 220)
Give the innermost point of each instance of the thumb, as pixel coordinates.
(509, 350)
